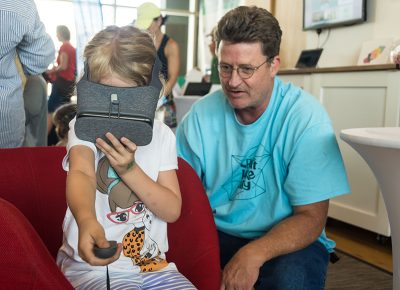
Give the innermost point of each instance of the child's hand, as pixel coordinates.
(120, 155)
(91, 233)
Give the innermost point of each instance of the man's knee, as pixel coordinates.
(292, 278)
(305, 269)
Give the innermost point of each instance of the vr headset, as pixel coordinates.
(123, 111)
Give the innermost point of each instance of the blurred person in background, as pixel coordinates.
(61, 118)
(214, 76)
(23, 39)
(62, 77)
(150, 18)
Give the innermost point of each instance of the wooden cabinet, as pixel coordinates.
(356, 97)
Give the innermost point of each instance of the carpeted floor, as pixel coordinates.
(352, 274)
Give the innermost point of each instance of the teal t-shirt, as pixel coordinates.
(254, 174)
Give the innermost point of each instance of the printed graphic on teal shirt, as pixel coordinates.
(249, 176)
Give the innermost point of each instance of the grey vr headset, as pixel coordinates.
(123, 111)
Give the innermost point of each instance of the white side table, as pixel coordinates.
(380, 148)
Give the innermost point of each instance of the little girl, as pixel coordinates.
(117, 190)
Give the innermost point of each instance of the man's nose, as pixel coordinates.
(234, 79)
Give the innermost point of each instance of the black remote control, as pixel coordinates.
(105, 253)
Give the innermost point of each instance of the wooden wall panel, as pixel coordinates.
(290, 15)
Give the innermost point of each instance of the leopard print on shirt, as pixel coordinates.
(132, 245)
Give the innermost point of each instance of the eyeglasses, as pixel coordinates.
(244, 71)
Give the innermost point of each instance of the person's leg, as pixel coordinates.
(97, 280)
(53, 103)
(166, 280)
(61, 93)
(301, 270)
(66, 90)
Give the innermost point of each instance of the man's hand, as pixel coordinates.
(241, 272)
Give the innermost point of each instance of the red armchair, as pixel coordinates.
(32, 182)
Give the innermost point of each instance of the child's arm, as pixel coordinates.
(163, 197)
(81, 194)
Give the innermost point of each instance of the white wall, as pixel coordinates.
(344, 44)
(260, 3)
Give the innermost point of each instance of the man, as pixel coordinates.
(268, 158)
(22, 33)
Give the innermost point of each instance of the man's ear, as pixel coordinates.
(274, 66)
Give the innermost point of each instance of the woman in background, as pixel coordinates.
(62, 75)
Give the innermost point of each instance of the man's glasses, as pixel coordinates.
(244, 71)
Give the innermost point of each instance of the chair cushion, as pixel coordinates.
(33, 180)
(25, 261)
(193, 239)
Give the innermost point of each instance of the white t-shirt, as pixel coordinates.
(124, 217)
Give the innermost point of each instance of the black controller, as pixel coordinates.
(105, 253)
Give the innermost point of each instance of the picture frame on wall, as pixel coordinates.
(375, 52)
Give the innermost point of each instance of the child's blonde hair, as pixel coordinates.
(127, 52)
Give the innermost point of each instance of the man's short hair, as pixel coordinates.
(250, 24)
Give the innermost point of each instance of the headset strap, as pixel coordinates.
(155, 74)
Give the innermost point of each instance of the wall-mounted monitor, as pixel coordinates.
(320, 14)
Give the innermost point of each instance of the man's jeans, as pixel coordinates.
(301, 270)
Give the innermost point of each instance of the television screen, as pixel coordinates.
(318, 14)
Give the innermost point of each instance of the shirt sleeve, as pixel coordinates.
(36, 49)
(189, 142)
(316, 171)
(169, 159)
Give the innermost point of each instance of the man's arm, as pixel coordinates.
(172, 54)
(36, 50)
(291, 234)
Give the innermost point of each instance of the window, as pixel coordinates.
(181, 24)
